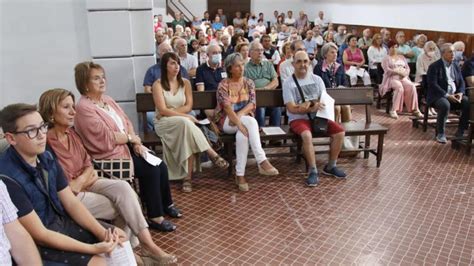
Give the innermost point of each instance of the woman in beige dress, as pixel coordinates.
(182, 140)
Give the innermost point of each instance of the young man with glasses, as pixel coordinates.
(63, 228)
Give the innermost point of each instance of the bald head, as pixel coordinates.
(301, 64)
(164, 48)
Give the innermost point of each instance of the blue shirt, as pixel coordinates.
(209, 77)
(42, 195)
(154, 73)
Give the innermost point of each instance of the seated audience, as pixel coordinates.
(196, 23)
(297, 110)
(418, 49)
(310, 44)
(15, 241)
(353, 60)
(467, 72)
(243, 50)
(269, 52)
(261, 28)
(333, 75)
(329, 37)
(217, 24)
(160, 24)
(403, 48)
(386, 37)
(425, 59)
(340, 36)
(283, 35)
(189, 62)
(286, 68)
(459, 57)
(395, 78)
(107, 133)
(280, 22)
(227, 49)
(106, 199)
(251, 25)
(366, 40)
(446, 91)
(235, 114)
(60, 225)
(238, 21)
(264, 76)
(182, 140)
(178, 20)
(301, 22)
(376, 54)
(321, 21)
(209, 75)
(289, 20)
(273, 35)
(317, 36)
(286, 54)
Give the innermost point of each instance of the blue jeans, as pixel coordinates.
(275, 116)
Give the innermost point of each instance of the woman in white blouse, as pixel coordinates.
(376, 54)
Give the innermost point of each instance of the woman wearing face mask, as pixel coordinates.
(459, 57)
(425, 59)
(182, 140)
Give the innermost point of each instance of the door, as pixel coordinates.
(229, 7)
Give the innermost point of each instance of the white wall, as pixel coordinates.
(41, 41)
(438, 15)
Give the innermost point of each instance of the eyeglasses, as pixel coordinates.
(33, 133)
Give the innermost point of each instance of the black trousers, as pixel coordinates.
(443, 106)
(154, 186)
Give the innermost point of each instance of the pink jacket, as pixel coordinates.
(389, 73)
(97, 129)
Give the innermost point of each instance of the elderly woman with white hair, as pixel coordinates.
(234, 114)
(459, 57)
(425, 59)
(420, 41)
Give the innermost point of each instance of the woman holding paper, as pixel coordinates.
(107, 133)
(235, 113)
(353, 60)
(182, 140)
(395, 77)
(106, 199)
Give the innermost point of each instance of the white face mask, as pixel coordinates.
(216, 59)
(430, 53)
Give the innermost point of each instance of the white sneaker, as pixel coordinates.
(393, 114)
(207, 164)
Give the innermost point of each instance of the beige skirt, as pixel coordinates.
(180, 138)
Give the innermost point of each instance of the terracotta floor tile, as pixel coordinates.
(416, 209)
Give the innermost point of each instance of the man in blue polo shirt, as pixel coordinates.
(63, 228)
(209, 75)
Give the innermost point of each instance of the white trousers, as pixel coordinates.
(242, 143)
(353, 78)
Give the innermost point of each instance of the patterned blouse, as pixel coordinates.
(237, 99)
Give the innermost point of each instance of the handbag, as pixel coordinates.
(211, 132)
(121, 169)
(319, 125)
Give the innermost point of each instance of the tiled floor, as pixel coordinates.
(417, 208)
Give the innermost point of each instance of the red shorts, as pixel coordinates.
(300, 125)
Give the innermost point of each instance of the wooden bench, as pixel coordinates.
(274, 98)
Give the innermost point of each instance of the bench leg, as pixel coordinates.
(366, 146)
(229, 148)
(379, 149)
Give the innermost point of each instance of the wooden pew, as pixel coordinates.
(274, 98)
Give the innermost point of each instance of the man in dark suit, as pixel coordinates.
(446, 90)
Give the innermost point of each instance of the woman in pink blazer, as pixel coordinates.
(395, 78)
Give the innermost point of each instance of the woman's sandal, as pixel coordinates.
(244, 187)
(220, 162)
(158, 260)
(187, 186)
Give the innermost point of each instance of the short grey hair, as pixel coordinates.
(459, 44)
(326, 47)
(429, 44)
(230, 60)
(445, 47)
(254, 44)
(211, 46)
(294, 43)
(420, 36)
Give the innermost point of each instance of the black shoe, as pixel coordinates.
(173, 212)
(165, 226)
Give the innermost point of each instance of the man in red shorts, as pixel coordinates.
(297, 110)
